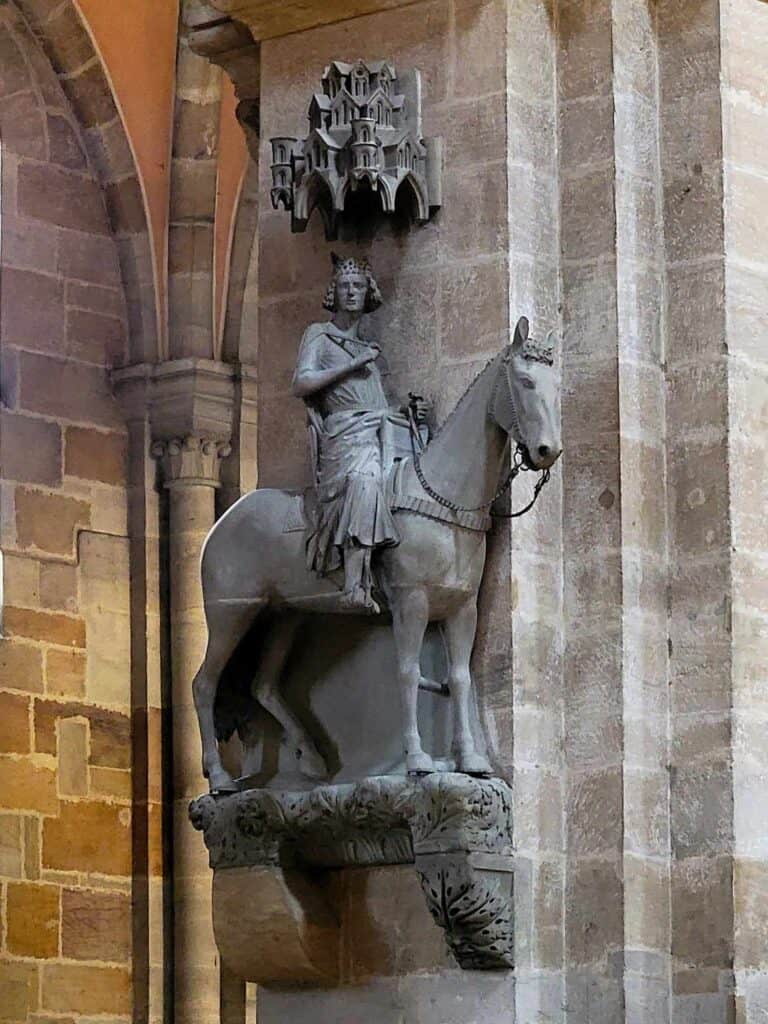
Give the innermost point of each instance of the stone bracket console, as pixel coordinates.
(268, 849)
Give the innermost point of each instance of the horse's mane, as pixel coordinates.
(469, 388)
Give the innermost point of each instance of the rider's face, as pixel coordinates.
(351, 292)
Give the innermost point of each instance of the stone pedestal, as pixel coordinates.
(438, 996)
(393, 878)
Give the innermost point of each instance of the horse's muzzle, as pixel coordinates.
(542, 457)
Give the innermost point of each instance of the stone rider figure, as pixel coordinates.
(340, 382)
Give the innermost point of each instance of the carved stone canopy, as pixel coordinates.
(365, 132)
(455, 829)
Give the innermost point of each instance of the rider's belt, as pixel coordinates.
(355, 408)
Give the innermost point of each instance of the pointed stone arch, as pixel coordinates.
(64, 39)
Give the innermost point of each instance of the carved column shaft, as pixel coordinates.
(190, 469)
(186, 407)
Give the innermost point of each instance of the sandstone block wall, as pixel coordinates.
(65, 725)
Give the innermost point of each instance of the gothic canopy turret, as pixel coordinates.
(364, 131)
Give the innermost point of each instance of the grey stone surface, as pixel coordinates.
(540, 997)
(712, 1008)
(457, 830)
(268, 563)
(443, 998)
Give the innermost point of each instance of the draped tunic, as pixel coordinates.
(347, 416)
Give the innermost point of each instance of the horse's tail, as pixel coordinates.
(235, 708)
(218, 526)
(236, 589)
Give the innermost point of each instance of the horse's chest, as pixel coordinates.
(460, 562)
(437, 557)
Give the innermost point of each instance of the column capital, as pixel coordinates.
(180, 397)
(191, 460)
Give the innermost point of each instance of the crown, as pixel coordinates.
(349, 265)
(539, 351)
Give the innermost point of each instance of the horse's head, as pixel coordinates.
(525, 400)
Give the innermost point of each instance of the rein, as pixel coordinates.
(518, 466)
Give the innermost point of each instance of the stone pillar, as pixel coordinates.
(642, 440)
(192, 206)
(151, 933)
(744, 99)
(699, 585)
(535, 757)
(592, 516)
(181, 411)
(190, 469)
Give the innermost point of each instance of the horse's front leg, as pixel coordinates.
(409, 622)
(459, 632)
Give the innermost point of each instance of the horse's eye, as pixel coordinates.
(528, 383)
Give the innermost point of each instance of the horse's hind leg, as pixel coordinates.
(226, 628)
(267, 690)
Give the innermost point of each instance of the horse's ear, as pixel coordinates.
(335, 259)
(521, 334)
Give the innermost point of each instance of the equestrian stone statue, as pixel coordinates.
(408, 519)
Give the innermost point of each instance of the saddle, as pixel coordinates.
(396, 453)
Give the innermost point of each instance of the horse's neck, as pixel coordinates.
(463, 463)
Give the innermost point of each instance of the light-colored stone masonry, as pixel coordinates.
(533, 707)
(744, 98)
(702, 922)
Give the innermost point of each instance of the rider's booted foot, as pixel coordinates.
(419, 764)
(220, 781)
(311, 763)
(472, 763)
(359, 600)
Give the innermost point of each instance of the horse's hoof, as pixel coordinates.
(419, 764)
(220, 781)
(359, 600)
(473, 764)
(311, 764)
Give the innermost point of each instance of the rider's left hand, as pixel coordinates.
(421, 407)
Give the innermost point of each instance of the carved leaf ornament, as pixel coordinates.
(456, 830)
(476, 919)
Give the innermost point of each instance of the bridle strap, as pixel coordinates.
(518, 466)
(543, 479)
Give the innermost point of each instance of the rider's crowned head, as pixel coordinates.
(348, 273)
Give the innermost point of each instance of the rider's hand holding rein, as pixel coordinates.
(368, 355)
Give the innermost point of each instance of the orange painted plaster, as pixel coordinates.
(136, 40)
(233, 159)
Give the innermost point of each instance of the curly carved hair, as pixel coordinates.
(350, 265)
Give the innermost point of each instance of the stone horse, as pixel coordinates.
(251, 565)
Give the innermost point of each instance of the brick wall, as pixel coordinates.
(65, 740)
